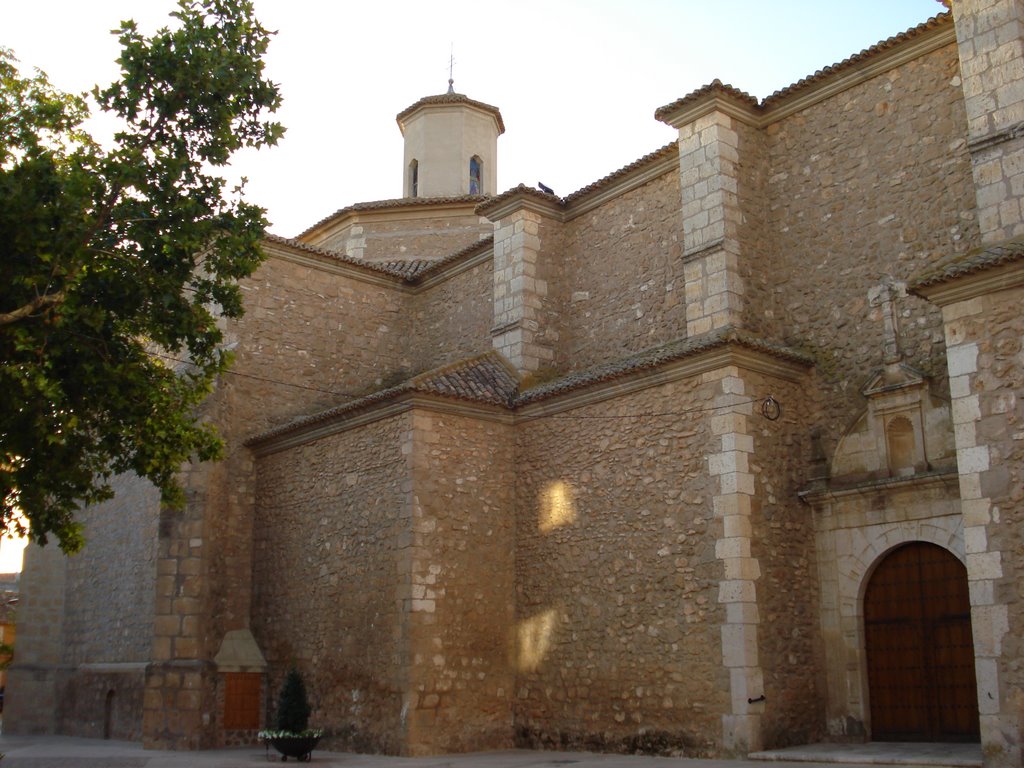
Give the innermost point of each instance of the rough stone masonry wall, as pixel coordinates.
(310, 338)
(986, 368)
(109, 611)
(528, 286)
(179, 702)
(623, 276)
(328, 590)
(751, 169)
(618, 622)
(452, 320)
(108, 619)
(380, 239)
(783, 542)
(32, 696)
(875, 181)
(550, 295)
(462, 602)
(991, 45)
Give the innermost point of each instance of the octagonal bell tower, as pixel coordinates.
(451, 146)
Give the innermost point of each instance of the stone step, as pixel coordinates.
(942, 755)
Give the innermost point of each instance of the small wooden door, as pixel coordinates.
(242, 700)
(920, 651)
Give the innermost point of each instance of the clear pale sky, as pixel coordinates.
(577, 81)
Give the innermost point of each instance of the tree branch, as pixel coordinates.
(40, 302)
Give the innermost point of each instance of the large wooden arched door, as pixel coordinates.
(920, 652)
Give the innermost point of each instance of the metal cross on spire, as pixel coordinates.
(451, 70)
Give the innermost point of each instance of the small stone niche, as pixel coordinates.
(904, 431)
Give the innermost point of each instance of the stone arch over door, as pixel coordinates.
(848, 555)
(919, 648)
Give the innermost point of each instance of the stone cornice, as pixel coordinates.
(994, 139)
(702, 250)
(511, 325)
(816, 495)
(974, 284)
(705, 102)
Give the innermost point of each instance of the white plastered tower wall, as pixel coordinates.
(442, 136)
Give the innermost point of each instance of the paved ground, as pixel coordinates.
(67, 752)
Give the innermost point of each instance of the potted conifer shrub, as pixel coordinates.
(293, 737)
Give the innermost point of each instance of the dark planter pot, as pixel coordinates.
(299, 747)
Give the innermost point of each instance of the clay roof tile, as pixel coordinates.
(958, 265)
(940, 20)
(485, 379)
(385, 269)
(669, 149)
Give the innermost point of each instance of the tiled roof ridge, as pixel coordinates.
(670, 148)
(451, 98)
(409, 270)
(382, 268)
(519, 189)
(883, 45)
(656, 356)
(442, 380)
(428, 381)
(974, 261)
(806, 82)
(395, 202)
(329, 413)
(464, 362)
(425, 267)
(712, 87)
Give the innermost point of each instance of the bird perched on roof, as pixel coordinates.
(545, 188)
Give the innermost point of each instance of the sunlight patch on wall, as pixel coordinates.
(557, 506)
(534, 639)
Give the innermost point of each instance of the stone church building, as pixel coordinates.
(722, 452)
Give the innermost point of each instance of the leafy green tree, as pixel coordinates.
(115, 263)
